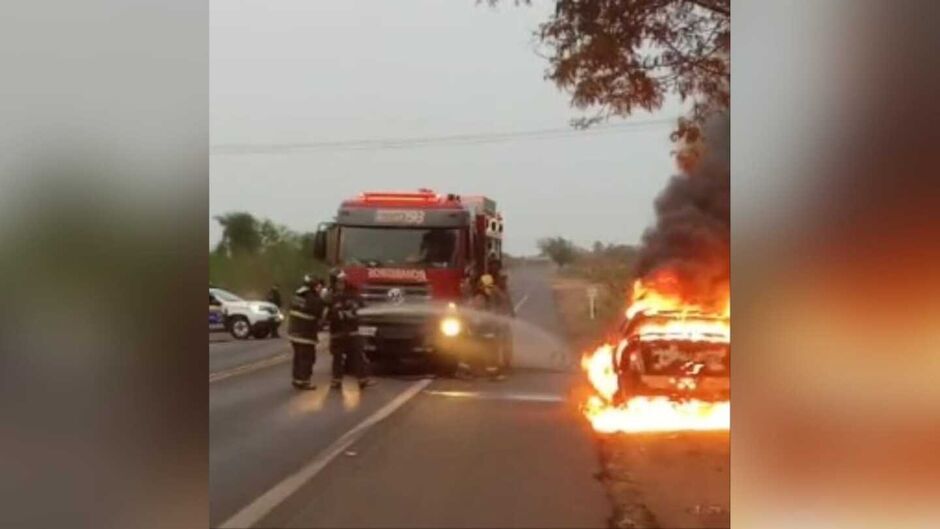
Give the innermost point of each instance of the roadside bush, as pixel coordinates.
(280, 256)
(611, 269)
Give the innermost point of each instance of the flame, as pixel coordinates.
(663, 292)
(658, 414)
(645, 414)
(682, 319)
(698, 319)
(600, 371)
(686, 328)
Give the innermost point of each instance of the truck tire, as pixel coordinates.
(240, 328)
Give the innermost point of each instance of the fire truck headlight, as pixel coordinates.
(451, 326)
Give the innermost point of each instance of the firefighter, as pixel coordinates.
(306, 312)
(498, 302)
(274, 297)
(345, 343)
(505, 307)
(501, 286)
(488, 298)
(495, 287)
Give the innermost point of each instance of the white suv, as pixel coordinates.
(240, 317)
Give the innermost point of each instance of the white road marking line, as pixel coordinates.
(261, 364)
(521, 301)
(267, 502)
(248, 368)
(528, 397)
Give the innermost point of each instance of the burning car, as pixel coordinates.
(666, 369)
(676, 354)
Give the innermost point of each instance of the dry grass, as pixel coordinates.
(572, 302)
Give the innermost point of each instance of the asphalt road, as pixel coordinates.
(226, 352)
(410, 451)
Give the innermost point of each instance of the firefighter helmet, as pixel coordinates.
(312, 280)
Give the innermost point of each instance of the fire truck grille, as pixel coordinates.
(382, 293)
(399, 332)
(398, 340)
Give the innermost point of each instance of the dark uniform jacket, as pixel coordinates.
(494, 301)
(274, 296)
(343, 312)
(306, 310)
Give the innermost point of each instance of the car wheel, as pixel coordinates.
(241, 329)
(260, 332)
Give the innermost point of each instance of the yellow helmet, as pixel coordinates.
(487, 280)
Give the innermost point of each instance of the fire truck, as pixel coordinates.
(413, 257)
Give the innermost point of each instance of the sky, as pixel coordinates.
(325, 71)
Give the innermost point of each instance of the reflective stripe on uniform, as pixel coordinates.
(302, 315)
(299, 339)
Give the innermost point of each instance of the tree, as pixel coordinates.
(621, 252)
(622, 55)
(256, 253)
(306, 241)
(240, 234)
(558, 249)
(272, 234)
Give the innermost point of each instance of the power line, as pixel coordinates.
(377, 144)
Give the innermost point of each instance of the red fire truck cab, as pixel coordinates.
(412, 257)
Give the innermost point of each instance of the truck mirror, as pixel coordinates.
(319, 245)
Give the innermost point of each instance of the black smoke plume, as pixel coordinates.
(688, 247)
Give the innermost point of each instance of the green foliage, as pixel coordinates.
(619, 56)
(241, 234)
(560, 250)
(610, 267)
(253, 255)
(272, 234)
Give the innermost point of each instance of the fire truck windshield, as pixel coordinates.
(431, 247)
